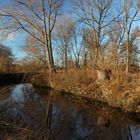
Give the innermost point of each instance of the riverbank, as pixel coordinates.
(120, 93)
(27, 119)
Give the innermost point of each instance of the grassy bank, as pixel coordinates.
(119, 91)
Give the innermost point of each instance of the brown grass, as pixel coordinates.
(122, 92)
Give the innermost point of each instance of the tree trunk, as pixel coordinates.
(66, 58)
(127, 59)
(48, 40)
(51, 59)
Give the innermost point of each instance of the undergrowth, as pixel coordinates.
(120, 91)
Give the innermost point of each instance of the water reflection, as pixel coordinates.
(29, 113)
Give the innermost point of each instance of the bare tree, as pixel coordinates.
(131, 12)
(77, 44)
(135, 51)
(64, 33)
(36, 50)
(98, 15)
(116, 38)
(6, 59)
(89, 46)
(35, 17)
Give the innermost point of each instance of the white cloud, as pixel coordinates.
(12, 36)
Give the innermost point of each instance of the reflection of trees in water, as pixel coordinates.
(4, 92)
(57, 118)
(15, 119)
(72, 122)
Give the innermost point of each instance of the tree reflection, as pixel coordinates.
(51, 116)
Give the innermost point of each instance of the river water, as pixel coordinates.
(28, 113)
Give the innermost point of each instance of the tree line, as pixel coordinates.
(95, 33)
(6, 59)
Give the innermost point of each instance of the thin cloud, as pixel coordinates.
(12, 36)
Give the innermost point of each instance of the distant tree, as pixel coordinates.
(35, 50)
(135, 50)
(115, 41)
(63, 35)
(6, 59)
(29, 64)
(69, 41)
(77, 45)
(89, 46)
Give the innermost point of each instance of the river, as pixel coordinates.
(28, 113)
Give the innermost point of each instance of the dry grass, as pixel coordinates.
(121, 91)
(4, 93)
(70, 79)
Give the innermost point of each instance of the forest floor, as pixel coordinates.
(121, 92)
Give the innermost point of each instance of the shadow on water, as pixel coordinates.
(29, 113)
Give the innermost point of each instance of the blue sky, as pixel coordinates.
(16, 40)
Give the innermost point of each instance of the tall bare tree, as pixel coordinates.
(64, 33)
(35, 17)
(116, 38)
(135, 51)
(98, 15)
(77, 45)
(131, 11)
